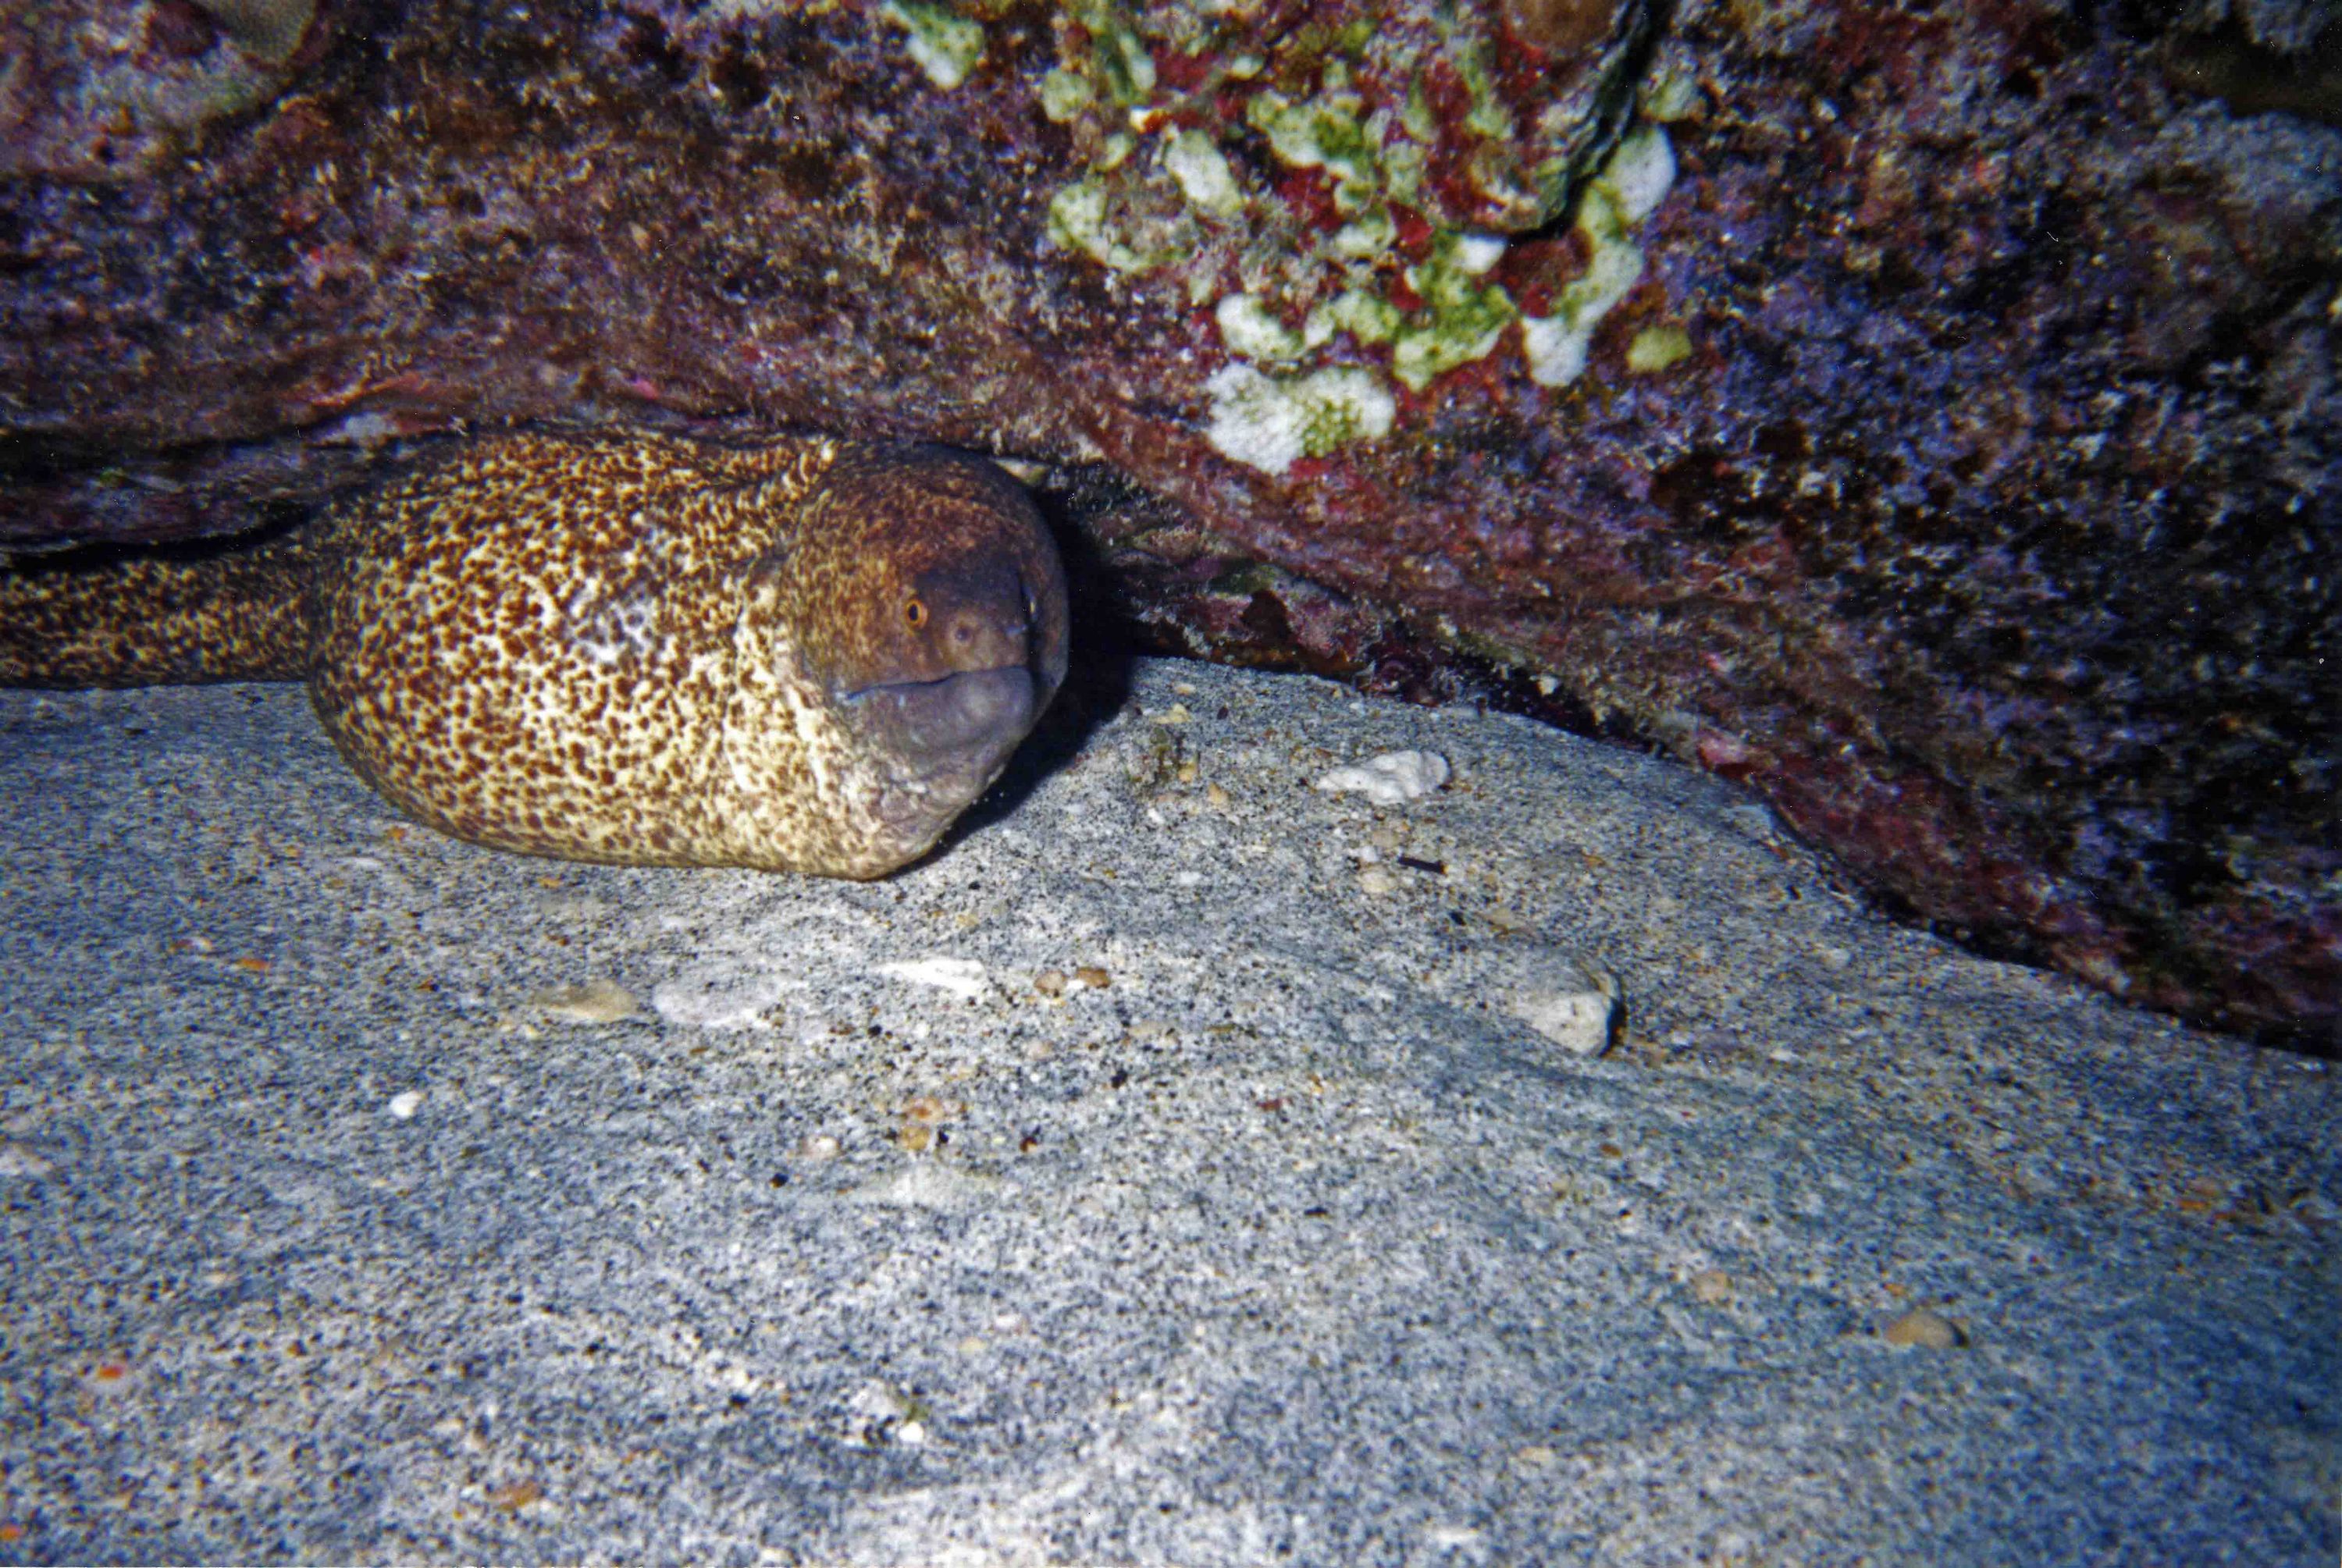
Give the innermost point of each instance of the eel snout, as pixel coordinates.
(964, 724)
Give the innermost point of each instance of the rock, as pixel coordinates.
(1921, 416)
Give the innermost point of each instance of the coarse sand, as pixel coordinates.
(1540, 1160)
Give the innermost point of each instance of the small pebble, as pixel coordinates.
(405, 1103)
(1093, 977)
(16, 1160)
(929, 1109)
(595, 1002)
(1376, 880)
(515, 1496)
(1577, 1018)
(1922, 1329)
(1711, 1287)
(1050, 983)
(1393, 778)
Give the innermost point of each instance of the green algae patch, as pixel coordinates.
(1368, 317)
(942, 43)
(1667, 99)
(1656, 348)
(1251, 330)
(1359, 181)
(1064, 94)
(1632, 183)
(1322, 133)
(1079, 221)
(1195, 160)
(1271, 423)
(1119, 55)
(1461, 319)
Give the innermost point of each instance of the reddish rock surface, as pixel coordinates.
(1956, 466)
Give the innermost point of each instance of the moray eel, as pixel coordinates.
(803, 655)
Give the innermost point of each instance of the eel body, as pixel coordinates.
(801, 655)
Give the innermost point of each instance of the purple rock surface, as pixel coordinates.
(1923, 415)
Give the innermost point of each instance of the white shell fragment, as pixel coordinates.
(16, 1160)
(962, 977)
(1577, 1017)
(595, 1002)
(1393, 778)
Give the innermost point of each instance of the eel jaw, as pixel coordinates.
(949, 738)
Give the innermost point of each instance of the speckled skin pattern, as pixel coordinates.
(804, 655)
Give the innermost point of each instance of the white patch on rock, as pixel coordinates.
(1204, 175)
(943, 45)
(1476, 253)
(1641, 172)
(1393, 778)
(1555, 349)
(1632, 184)
(1272, 422)
(1250, 329)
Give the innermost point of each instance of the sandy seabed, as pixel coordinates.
(1182, 1166)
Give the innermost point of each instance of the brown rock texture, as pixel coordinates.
(1924, 414)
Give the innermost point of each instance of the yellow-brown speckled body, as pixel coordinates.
(805, 655)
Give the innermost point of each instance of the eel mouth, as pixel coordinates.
(963, 725)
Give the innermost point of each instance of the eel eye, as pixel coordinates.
(915, 614)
